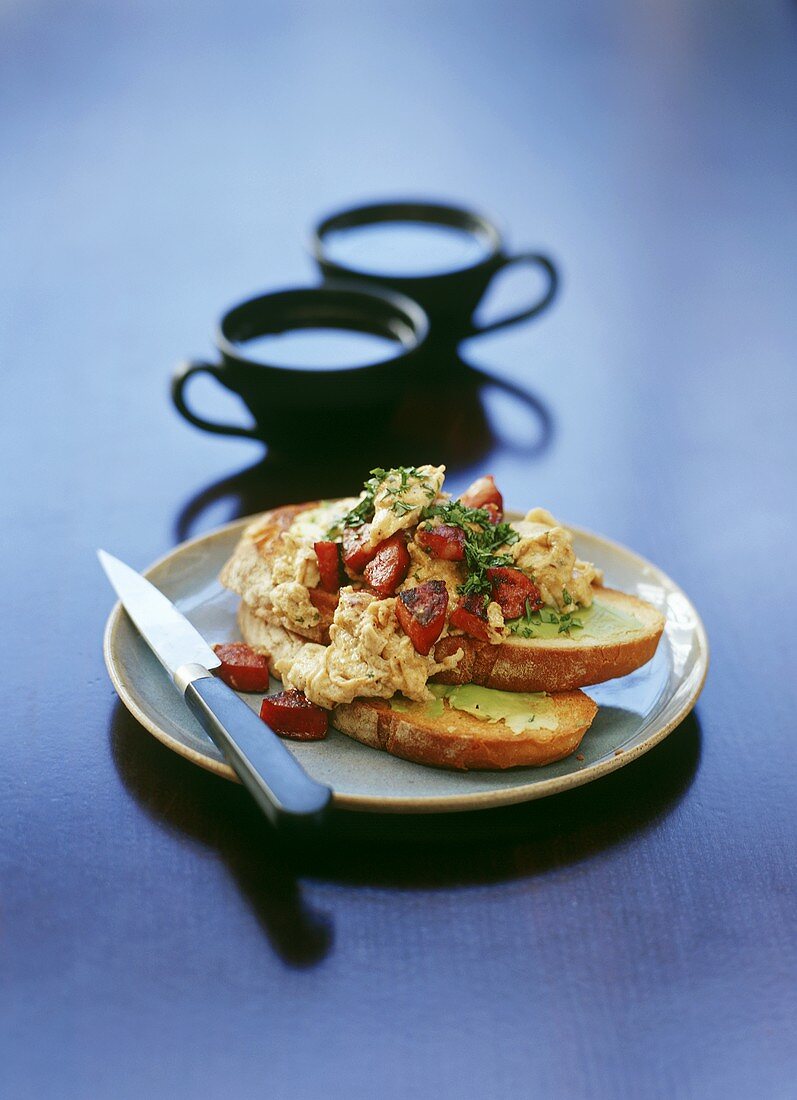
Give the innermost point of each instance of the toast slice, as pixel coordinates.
(457, 739)
(620, 634)
(439, 733)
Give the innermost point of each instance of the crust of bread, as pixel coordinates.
(458, 740)
(557, 664)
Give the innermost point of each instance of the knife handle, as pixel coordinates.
(271, 774)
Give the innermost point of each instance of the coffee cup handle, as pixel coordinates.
(548, 295)
(179, 381)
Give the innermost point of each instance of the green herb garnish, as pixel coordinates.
(457, 514)
(525, 626)
(482, 540)
(404, 475)
(363, 511)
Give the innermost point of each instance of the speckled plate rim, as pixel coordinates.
(482, 800)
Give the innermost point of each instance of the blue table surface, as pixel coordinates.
(632, 939)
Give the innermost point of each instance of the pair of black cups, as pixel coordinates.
(425, 315)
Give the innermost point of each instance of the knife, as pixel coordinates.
(271, 774)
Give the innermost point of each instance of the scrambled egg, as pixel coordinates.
(496, 631)
(369, 655)
(275, 574)
(545, 550)
(290, 603)
(294, 572)
(297, 561)
(399, 501)
(425, 568)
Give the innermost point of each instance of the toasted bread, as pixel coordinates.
(454, 739)
(561, 663)
(459, 740)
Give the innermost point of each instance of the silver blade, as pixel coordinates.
(170, 636)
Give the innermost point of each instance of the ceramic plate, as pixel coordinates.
(636, 712)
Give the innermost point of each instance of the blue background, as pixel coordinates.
(160, 160)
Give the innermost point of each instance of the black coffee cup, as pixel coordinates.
(306, 406)
(450, 257)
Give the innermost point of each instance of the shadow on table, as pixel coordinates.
(448, 417)
(218, 814)
(402, 851)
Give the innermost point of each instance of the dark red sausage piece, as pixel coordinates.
(444, 542)
(511, 589)
(356, 551)
(323, 601)
(292, 715)
(328, 554)
(470, 615)
(388, 567)
(421, 612)
(241, 668)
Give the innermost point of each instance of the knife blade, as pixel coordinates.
(271, 774)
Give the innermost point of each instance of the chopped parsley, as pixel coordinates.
(403, 475)
(525, 626)
(390, 483)
(363, 510)
(482, 540)
(457, 514)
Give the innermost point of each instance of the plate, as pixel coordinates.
(636, 712)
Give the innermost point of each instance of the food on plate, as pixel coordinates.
(404, 596)
(614, 636)
(471, 727)
(292, 715)
(241, 667)
(460, 726)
